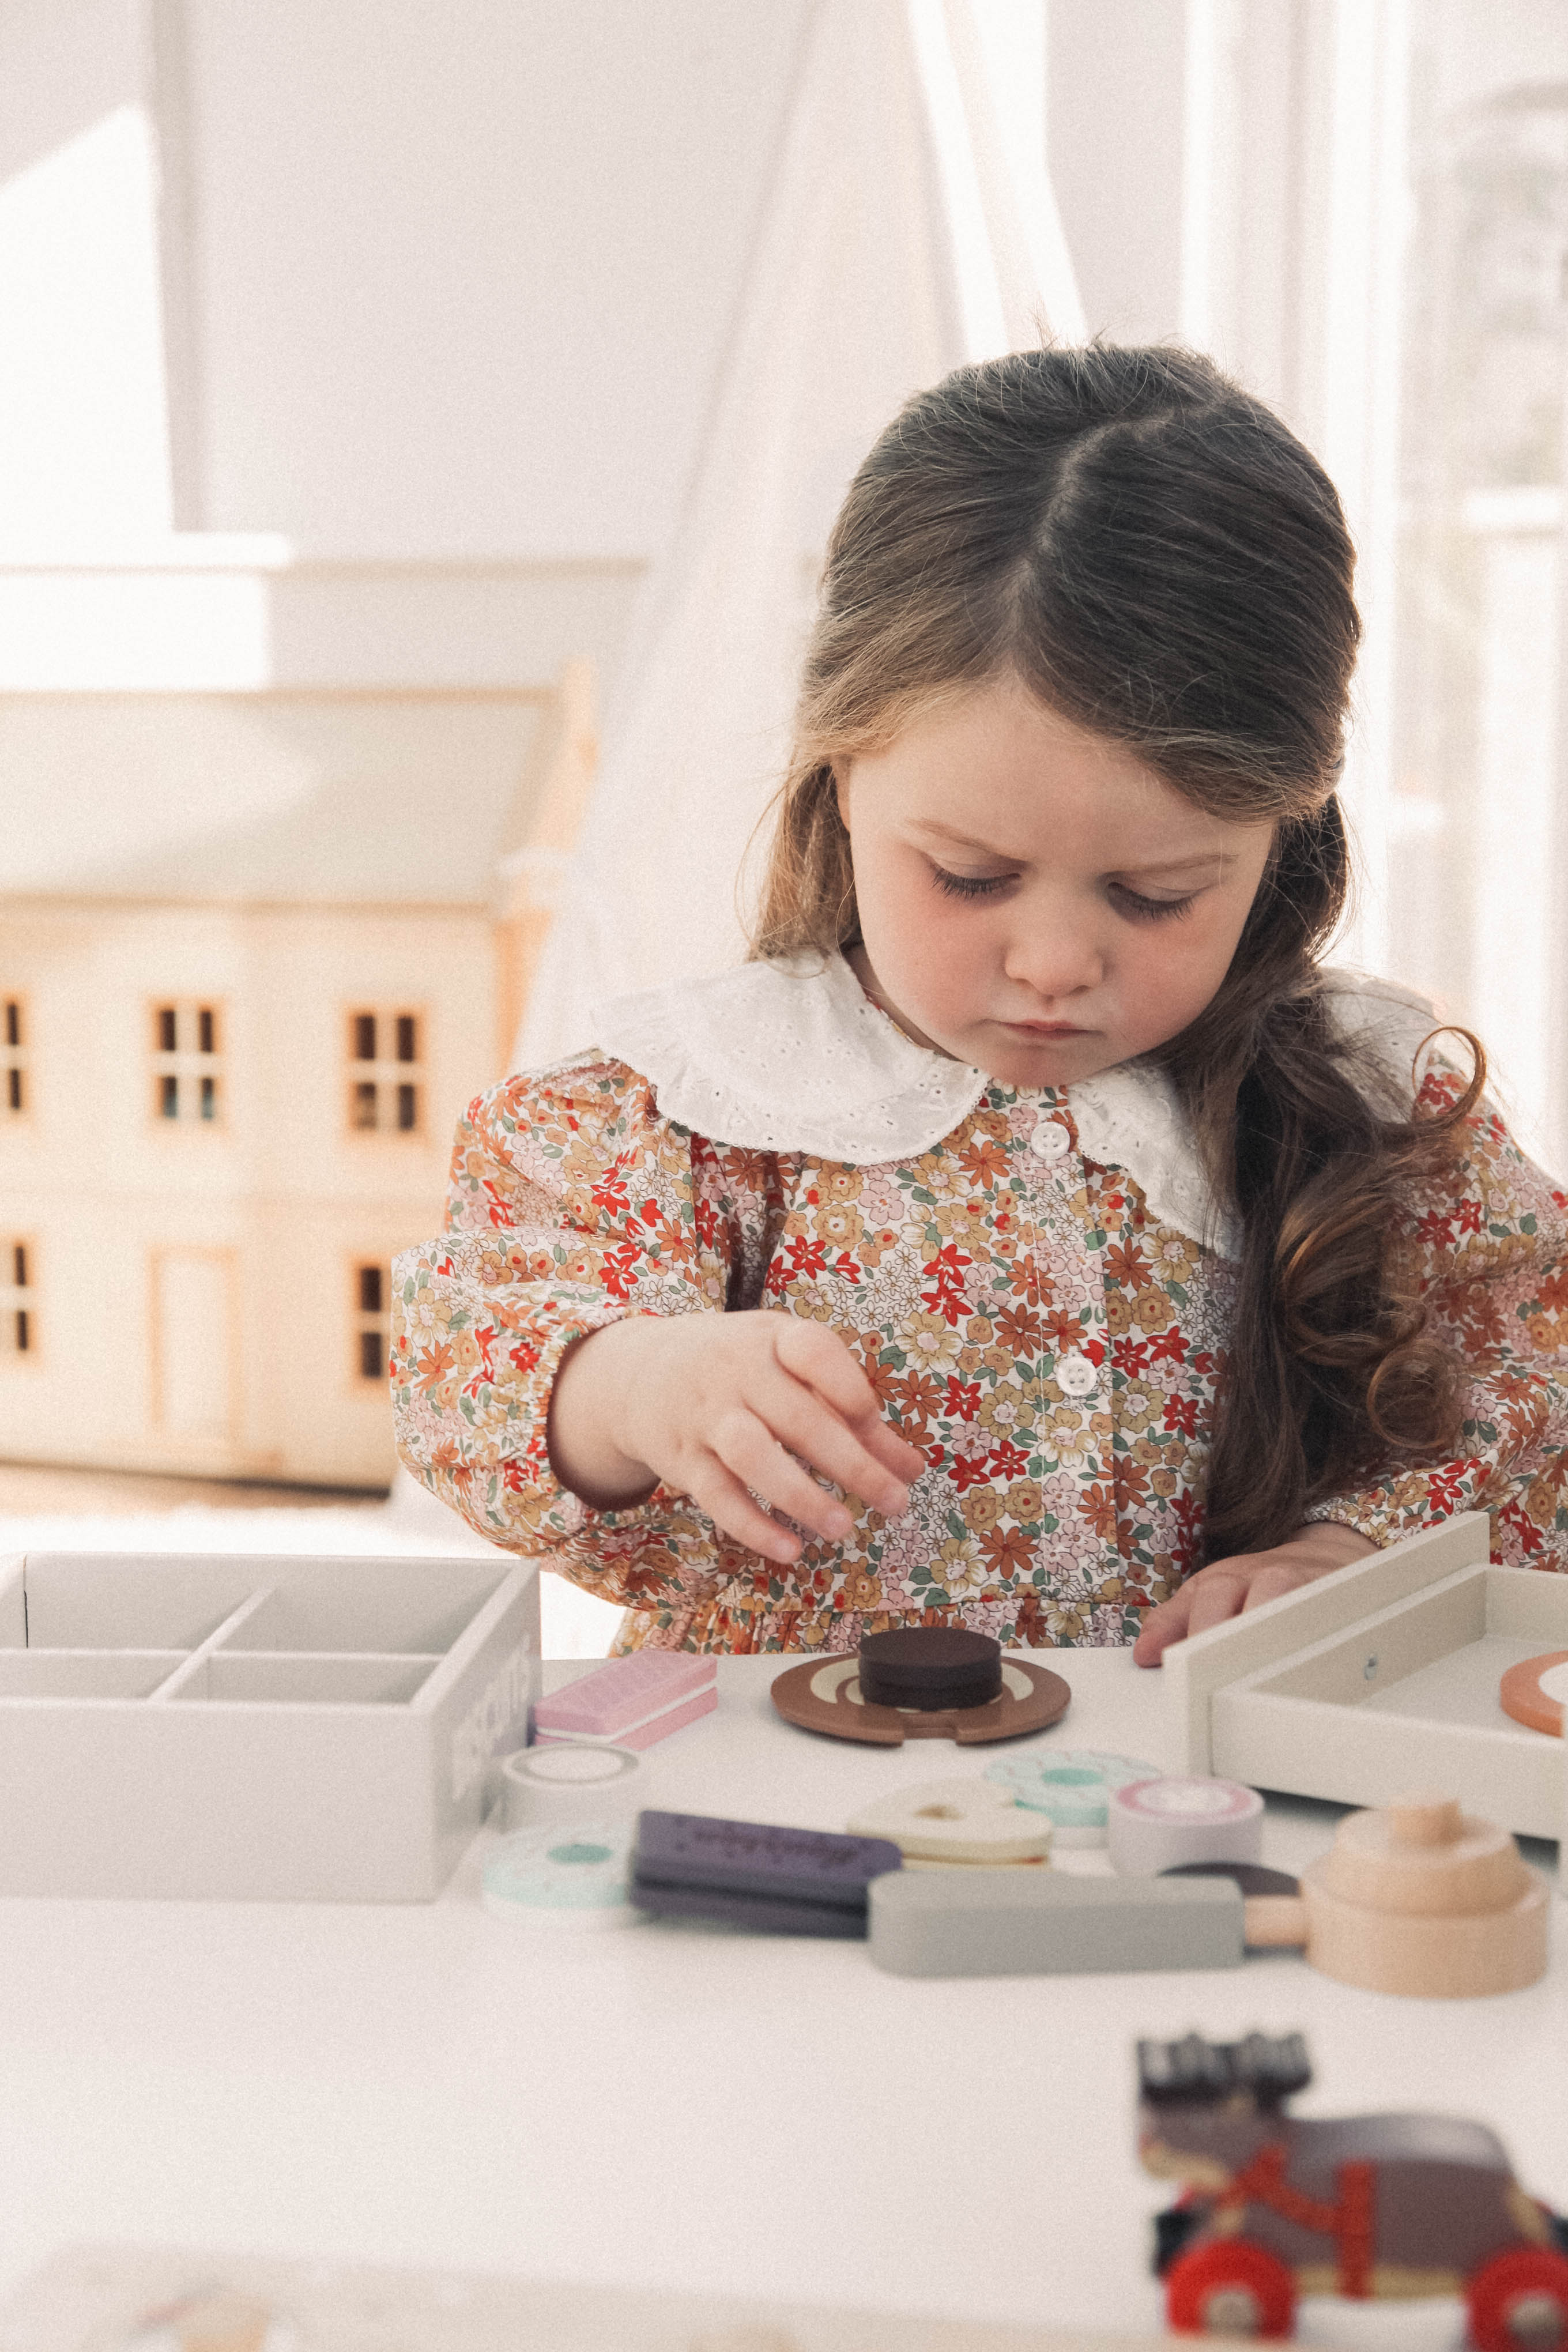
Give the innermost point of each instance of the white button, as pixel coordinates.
(1075, 1374)
(1049, 1138)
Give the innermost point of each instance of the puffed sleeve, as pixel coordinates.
(1490, 1247)
(572, 1203)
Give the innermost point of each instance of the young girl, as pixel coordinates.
(1033, 1221)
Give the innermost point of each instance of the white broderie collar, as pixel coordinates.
(793, 1056)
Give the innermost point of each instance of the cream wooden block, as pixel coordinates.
(1381, 1674)
(120, 2299)
(956, 1821)
(287, 1728)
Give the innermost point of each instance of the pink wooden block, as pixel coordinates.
(631, 1701)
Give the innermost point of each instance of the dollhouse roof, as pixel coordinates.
(326, 797)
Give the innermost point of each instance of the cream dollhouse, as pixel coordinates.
(257, 952)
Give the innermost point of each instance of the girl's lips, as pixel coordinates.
(1046, 1029)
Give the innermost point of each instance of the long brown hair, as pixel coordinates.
(1159, 559)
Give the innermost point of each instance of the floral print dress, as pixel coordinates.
(1036, 1282)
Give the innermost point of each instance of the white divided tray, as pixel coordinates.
(293, 1728)
(1383, 1677)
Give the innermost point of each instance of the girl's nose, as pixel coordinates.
(1055, 960)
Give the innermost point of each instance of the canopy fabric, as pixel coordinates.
(909, 227)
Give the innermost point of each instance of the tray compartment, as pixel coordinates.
(380, 1607)
(84, 1674)
(86, 1600)
(295, 1678)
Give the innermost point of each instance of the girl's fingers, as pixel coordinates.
(820, 1361)
(751, 1448)
(799, 1420)
(895, 1452)
(724, 1498)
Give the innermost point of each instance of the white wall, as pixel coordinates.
(461, 272)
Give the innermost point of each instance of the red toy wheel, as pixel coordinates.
(1228, 2286)
(1518, 2302)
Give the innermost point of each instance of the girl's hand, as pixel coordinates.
(1229, 1586)
(715, 1404)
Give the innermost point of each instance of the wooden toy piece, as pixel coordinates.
(825, 1695)
(1361, 2205)
(1071, 1787)
(930, 1666)
(631, 1702)
(1153, 1825)
(570, 1874)
(1417, 1897)
(754, 1873)
(1012, 1923)
(959, 1821)
(1275, 1915)
(568, 1781)
(1535, 1692)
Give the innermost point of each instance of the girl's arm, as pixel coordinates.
(571, 1206)
(1490, 1254)
(564, 1373)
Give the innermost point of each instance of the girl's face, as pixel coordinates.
(1033, 898)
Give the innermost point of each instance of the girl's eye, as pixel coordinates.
(1139, 909)
(969, 886)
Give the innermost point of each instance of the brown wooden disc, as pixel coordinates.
(823, 1695)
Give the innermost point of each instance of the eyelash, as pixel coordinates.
(1132, 904)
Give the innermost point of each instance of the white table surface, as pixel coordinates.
(667, 2106)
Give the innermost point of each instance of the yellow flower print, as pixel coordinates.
(1065, 1624)
(1001, 1410)
(982, 1508)
(962, 1221)
(980, 1330)
(930, 1342)
(958, 1567)
(1174, 1256)
(839, 1225)
(1024, 1500)
(840, 1183)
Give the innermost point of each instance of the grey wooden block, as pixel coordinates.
(1016, 1922)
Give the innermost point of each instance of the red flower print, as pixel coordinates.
(962, 1397)
(1007, 1460)
(1181, 1415)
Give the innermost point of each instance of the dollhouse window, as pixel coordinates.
(187, 1064)
(386, 1076)
(14, 1089)
(18, 1306)
(372, 1283)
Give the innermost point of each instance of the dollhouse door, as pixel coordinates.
(193, 1344)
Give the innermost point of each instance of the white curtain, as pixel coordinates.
(909, 227)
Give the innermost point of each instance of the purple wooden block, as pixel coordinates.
(765, 1915)
(757, 1858)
